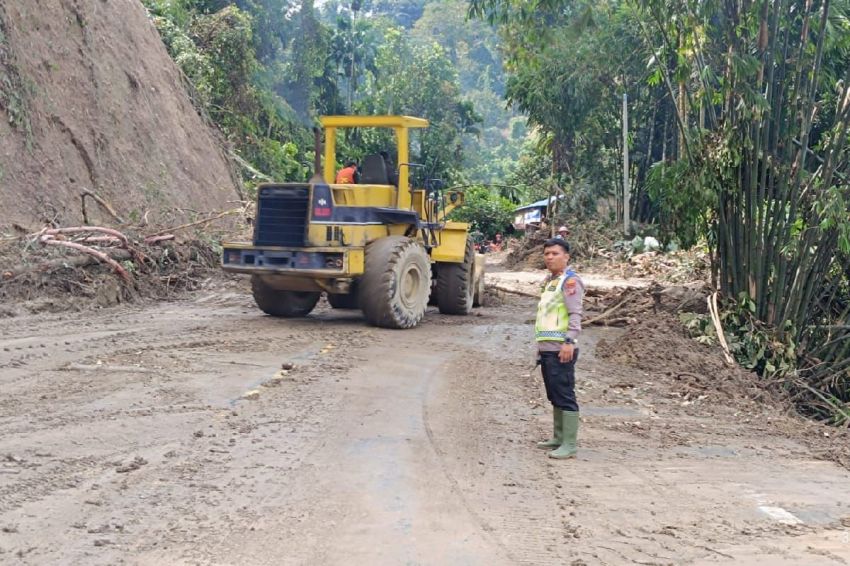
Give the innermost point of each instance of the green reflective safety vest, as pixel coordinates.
(553, 319)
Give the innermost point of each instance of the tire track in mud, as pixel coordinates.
(278, 438)
(220, 539)
(484, 526)
(400, 485)
(501, 492)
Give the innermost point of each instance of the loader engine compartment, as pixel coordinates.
(282, 215)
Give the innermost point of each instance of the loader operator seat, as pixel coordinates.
(374, 170)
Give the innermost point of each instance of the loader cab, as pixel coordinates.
(377, 169)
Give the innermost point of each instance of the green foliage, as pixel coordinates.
(195, 65)
(225, 39)
(278, 159)
(683, 202)
(754, 345)
(15, 92)
(569, 65)
(531, 178)
(473, 48)
(419, 80)
(216, 47)
(404, 13)
(264, 70)
(488, 213)
(739, 135)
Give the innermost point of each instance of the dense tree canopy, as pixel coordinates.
(740, 134)
(265, 70)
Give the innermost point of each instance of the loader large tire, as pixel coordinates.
(456, 284)
(480, 287)
(287, 304)
(395, 286)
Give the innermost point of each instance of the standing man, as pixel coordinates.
(556, 331)
(498, 243)
(348, 174)
(563, 232)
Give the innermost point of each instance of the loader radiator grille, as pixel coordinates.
(281, 216)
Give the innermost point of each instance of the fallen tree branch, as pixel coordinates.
(512, 291)
(81, 229)
(48, 240)
(608, 313)
(249, 168)
(197, 223)
(81, 261)
(718, 327)
(156, 239)
(835, 405)
(619, 322)
(100, 240)
(138, 256)
(99, 200)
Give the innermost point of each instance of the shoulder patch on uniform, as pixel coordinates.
(571, 286)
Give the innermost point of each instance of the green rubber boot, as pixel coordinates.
(569, 426)
(558, 434)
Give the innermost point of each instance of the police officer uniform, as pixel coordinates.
(559, 321)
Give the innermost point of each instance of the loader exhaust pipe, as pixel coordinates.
(317, 159)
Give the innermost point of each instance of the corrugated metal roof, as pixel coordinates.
(539, 204)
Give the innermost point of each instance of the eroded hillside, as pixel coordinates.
(89, 99)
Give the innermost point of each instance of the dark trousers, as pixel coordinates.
(560, 380)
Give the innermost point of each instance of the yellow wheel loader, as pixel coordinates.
(379, 245)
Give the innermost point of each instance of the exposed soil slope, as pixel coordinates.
(89, 98)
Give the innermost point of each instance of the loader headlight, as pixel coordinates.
(333, 261)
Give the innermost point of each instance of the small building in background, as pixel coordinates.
(529, 217)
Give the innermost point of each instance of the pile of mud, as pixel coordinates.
(695, 377)
(588, 239)
(690, 372)
(655, 341)
(526, 253)
(659, 343)
(90, 99)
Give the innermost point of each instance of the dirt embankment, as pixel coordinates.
(89, 98)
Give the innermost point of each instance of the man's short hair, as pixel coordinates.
(350, 163)
(557, 242)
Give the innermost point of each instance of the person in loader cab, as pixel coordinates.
(348, 174)
(556, 330)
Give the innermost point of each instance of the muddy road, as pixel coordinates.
(202, 432)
